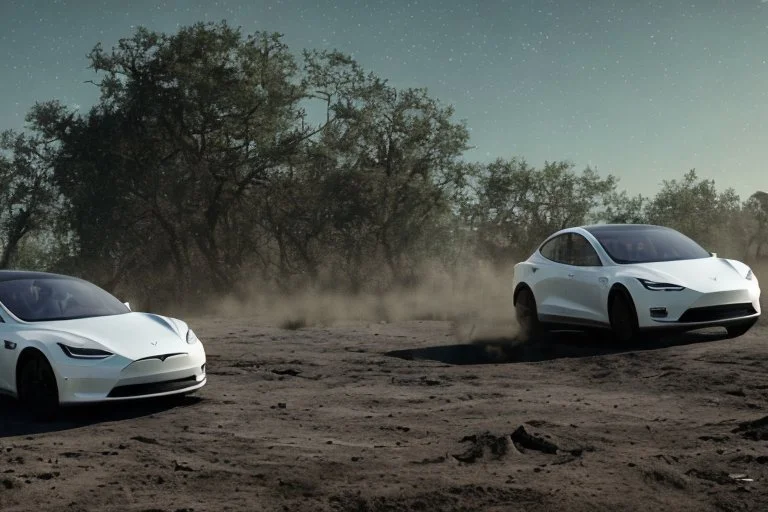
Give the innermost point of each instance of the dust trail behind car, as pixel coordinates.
(477, 299)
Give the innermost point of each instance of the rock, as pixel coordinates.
(496, 446)
(532, 441)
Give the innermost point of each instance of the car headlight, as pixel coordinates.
(84, 353)
(192, 337)
(750, 276)
(660, 287)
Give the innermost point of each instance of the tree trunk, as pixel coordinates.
(19, 228)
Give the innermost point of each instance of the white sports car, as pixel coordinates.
(67, 341)
(632, 278)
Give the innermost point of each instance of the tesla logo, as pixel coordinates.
(153, 343)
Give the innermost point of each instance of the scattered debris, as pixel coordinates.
(146, 440)
(434, 460)
(522, 439)
(719, 477)
(716, 439)
(482, 443)
(177, 466)
(287, 371)
(666, 476)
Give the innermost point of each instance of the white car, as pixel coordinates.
(67, 341)
(632, 278)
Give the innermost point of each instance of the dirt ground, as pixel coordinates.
(401, 416)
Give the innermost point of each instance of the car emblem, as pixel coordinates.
(714, 278)
(153, 343)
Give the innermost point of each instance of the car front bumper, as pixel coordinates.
(690, 309)
(118, 378)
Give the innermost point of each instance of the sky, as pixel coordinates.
(643, 90)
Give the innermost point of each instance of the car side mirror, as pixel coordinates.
(128, 305)
(713, 254)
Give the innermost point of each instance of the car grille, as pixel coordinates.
(712, 313)
(152, 388)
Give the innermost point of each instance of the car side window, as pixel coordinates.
(581, 253)
(555, 249)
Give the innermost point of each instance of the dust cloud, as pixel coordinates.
(477, 300)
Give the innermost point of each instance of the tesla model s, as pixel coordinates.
(632, 279)
(67, 341)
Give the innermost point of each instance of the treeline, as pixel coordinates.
(215, 160)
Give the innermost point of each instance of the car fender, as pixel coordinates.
(12, 356)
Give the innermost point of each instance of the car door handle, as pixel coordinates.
(571, 275)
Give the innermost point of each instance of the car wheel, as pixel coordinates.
(734, 331)
(623, 318)
(37, 389)
(527, 314)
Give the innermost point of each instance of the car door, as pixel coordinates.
(551, 284)
(588, 283)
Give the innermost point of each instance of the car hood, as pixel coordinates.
(132, 335)
(704, 275)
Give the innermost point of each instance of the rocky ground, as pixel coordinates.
(401, 416)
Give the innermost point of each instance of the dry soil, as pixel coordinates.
(403, 416)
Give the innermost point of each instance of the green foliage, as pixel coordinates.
(621, 208)
(515, 205)
(694, 207)
(27, 197)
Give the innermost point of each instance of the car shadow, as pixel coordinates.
(553, 345)
(15, 422)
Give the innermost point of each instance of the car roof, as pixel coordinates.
(597, 229)
(14, 275)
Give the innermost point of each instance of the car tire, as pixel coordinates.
(527, 315)
(623, 317)
(734, 331)
(37, 389)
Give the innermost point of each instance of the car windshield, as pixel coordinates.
(647, 245)
(53, 298)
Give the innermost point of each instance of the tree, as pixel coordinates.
(27, 196)
(695, 208)
(188, 127)
(199, 163)
(516, 205)
(400, 150)
(756, 208)
(621, 208)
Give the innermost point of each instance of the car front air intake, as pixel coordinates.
(714, 313)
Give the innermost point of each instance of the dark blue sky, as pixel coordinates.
(643, 90)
